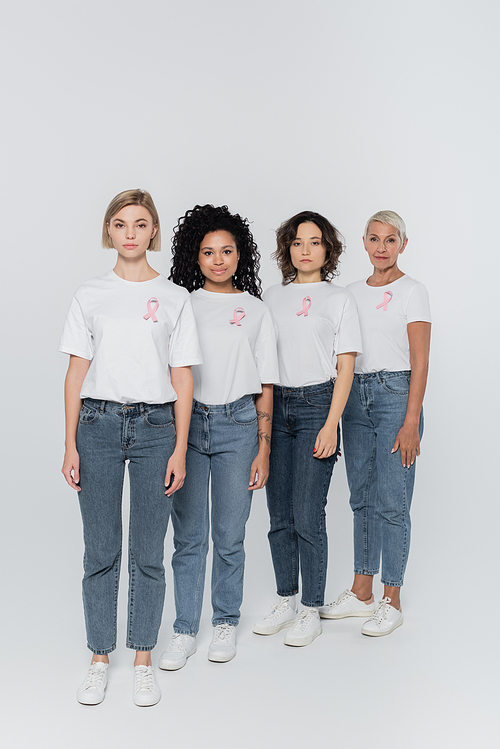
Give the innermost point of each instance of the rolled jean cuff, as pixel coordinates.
(141, 648)
(366, 572)
(392, 585)
(310, 605)
(178, 631)
(107, 651)
(232, 622)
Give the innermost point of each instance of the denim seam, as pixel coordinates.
(365, 505)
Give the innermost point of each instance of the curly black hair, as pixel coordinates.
(188, 236)
(331, 240)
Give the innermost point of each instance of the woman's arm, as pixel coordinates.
(326, 441)
(259, 473)
(408, 440)
(182, 382)
(77, 370)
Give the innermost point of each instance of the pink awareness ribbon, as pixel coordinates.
(152, 310)
(239, 314)
(387, 299)
(306, 304)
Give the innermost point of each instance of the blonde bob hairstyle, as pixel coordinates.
(389, 218)
(122, 200)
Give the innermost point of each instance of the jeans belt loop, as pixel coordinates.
(102, 407)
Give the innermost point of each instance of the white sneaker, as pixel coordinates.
(178, 651)
(282, 615)
(347, 604)
(223, 645)
(306, 628)
(384, 620)
(92, 690)
(146, 689)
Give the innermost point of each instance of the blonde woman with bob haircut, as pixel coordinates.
(383, 425)
(131, 337)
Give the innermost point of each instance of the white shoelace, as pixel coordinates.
(278, 609)
(177, 644)
(303, 620)
(222, 632)
(345, 596)
(381, 611)
(94, 678)
(144, 678)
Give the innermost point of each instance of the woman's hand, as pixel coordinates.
(176, 472)
(71, 468)
(259, 470)
(326, 441)
(408, 443)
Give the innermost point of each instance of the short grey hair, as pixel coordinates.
(389, 218)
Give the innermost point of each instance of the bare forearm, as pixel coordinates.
(264, 407)
(182, 382)
(342, 387)
(418, 382)
(419, 339)
(75, 376)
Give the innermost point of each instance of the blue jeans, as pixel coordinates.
(222, 446)
(297, 491)
(381, 489)
(108, 435)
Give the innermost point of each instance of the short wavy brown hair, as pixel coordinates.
(331, 239)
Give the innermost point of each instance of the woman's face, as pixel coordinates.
(131, 231)
(218, 259)
(383, 245)
(307, 251)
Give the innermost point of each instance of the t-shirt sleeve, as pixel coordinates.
(184, 348)
(418, 308)
(76, 337)
(349, 335)
(266, 352)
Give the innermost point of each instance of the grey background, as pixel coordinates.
(271, 107)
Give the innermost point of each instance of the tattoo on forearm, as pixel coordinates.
(264, 436)
(263, 415)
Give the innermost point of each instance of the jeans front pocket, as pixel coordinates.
(399, 385)
(159, 416)
(88, 414)
(322, 399)
(245, 416)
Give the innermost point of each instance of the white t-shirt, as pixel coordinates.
(238, 345)
(132, 332)
(384, 313)
(316, 321)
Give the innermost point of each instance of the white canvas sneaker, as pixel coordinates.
(146, 689)
(384, 620)
(180, 648)
(282, 615)
(93, 688)
(305, 629)
(347, 604)
(223, 645)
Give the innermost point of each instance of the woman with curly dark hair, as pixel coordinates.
(318, 340)
(216, 258)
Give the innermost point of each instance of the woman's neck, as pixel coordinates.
(302, 277)
(221, 288)
(134, 269)
(384, 277)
